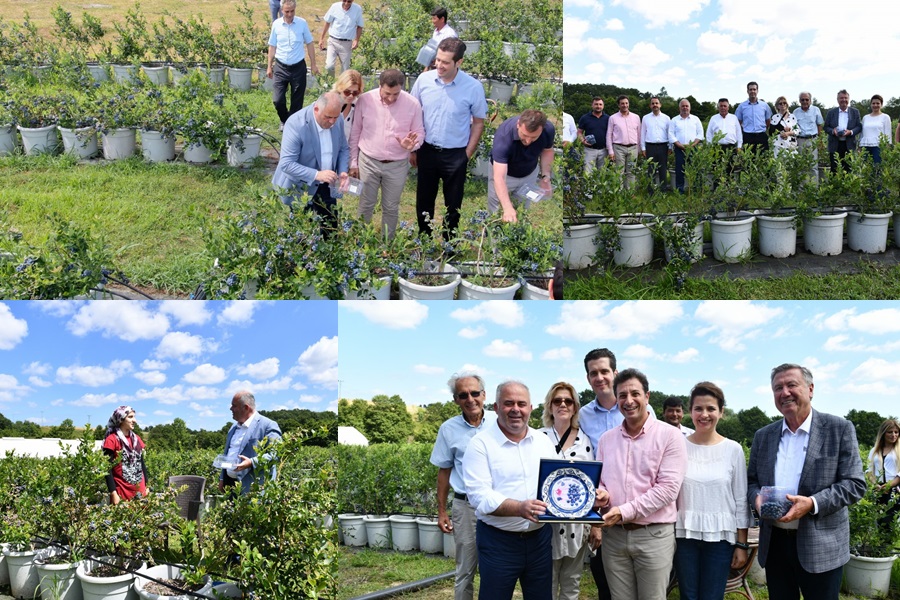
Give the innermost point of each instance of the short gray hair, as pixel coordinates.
(288, 3)
(451, 383)
(327, 97)
(246, 398)
(807, 374)
(508, 383)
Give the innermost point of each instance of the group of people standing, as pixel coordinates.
(436, 127)
(128, 477)
(753, 124)
(670, 496)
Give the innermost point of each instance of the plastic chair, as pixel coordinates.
(189, 499)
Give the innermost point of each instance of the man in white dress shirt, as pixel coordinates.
(342, 30)
(732, 137)
(441, 28)
(685, 131)
(500, 471)
(655, 139)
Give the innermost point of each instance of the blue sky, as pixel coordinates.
(412, 348)
(80, 360)
(712, 49)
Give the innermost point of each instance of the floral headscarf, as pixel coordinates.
(112, 426)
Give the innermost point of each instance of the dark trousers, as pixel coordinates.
(660, 155)
(435, 165)
(679, 168)
(599, 574)
(324, 205)
(284, 76)
(842, 155)
(786, 579)
(505, 558)
(756, 141)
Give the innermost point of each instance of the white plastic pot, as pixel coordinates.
(636, 243)
(119, 144)
(731, 238)
(414, 291)
(579, 247)
(23, 575)
(868, 233)
(58, 581)
(378, 531)
(157, 147)
(353, 529)
(81, 142)
(240, 79)
(251, 145)
(39, 140)
(8, 139)
(824, 235)
(404, 533)
(777, 235)
(431, 538)
(105, 588)
(165, 572)
(197, 153)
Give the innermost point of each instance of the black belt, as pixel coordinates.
(459, 496)
(657, 143)
(339, 39)
(787, 532)
(518, 534)
(441, 148)
(626, 145)
(807, 137)
(290, 66)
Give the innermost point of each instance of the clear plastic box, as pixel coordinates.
(773, 502)
(353, 187)
(222, 462)
(531, 192)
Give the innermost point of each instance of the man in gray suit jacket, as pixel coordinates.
(314, 155)
(817, 455)
(843, 125)
(242, 441)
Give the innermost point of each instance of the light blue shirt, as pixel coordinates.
(753, 117)
(448, 108)
(343, 23)
(450, 447)
(809, 120)
(594, 420)
(290, 40)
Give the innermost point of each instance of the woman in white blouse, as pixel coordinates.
(874, 125)
(349, 85)
(883, 462)
(784, 127)
(713, 515)
(569, 540)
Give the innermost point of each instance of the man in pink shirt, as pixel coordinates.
(387, 126)
(644, 461)
(623, 138)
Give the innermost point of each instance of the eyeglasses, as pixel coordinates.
(560, 401)
(781, 104)
(349, 93)
(465, 395)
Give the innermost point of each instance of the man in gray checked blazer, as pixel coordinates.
(816, 454)
(242, 441)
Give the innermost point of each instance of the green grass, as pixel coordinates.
(873, 282)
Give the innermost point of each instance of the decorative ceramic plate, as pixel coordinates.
(568, 492)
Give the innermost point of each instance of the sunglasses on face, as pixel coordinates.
(349, 93)
(465, 395)
(560, 401)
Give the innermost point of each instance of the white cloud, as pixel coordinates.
(774, 52)
(162, 413)
(10, 390)
(205, 374)
(95, 400)
(59, 309)
(685, 356)
(614, 25)
(663, 14)
(730, 322)
(257, 387)
(151, 377)
(595, 321)
(36, 368)
(876, 322)
(502, 349)
(264, 369)
(186, 313)
(883, 371)
(167, 395)
(595, 4)
(319, 362)
(471, 333)
(203, 392)
(154, 365)
(408, 315)
(12, 329)
(563, 353)
(710, 43)
(507, 313)
(183, 347)
(129, 321)
(38, 382)
(93, 376)
(203, 411)
(238, 312)
(428, 369)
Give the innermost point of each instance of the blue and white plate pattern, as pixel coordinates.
(568, 492)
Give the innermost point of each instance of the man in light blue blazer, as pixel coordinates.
(241, 444)
(815, 454)
(314, 155)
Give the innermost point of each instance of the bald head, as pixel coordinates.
(327, 109)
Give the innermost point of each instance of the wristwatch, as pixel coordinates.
(541, 176)
(742, 545)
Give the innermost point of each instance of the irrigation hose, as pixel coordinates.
(407, 588)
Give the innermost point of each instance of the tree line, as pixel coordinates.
(579, 96)
(387, 419)
(177, 436)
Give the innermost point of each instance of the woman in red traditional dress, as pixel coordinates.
(125, 448)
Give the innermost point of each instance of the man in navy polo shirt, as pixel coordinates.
(592, 131)
(522, 154)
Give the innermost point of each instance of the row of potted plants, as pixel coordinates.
(210, 120)
(273, 252)
(275, 542)
(731, 191)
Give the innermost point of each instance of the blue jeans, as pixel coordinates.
(505, 557)
(702, 568)
(875, 151)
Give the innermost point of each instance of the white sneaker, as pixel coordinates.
(281, 127)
